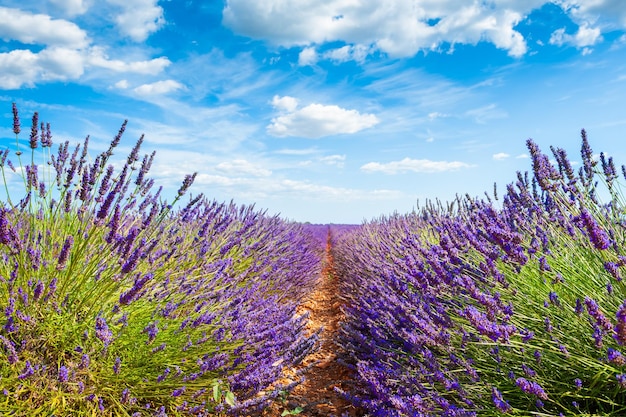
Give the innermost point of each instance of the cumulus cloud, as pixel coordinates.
(138, 18)
(41, 29)
(584, 37)
(24, 67)
(308, 56)
(414, 165)
(396, 27)
(316, 120)
(64, 51)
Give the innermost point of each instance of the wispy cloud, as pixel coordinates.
(159, 87)
(414, 165)
(500, 156)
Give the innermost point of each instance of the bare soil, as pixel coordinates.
(316, 396)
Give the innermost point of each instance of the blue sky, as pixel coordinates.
(327, 110)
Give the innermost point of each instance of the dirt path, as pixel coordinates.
(316, 395)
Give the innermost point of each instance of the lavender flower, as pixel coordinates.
(65, 252)
(594, 311)
(34, 135)
(530, 387)
(28, 371)
(598, 237)
(102, 331)
(63, 374)
(16, 120)
(186, 184)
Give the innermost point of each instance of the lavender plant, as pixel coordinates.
(117, 302)
(473, 309)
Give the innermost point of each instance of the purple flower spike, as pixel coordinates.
(598, 237)
(63, 374)
(530, 387)
(16, 120)
(601, 319)
(28, 371)
(34, 134)
(65, 252)
(620, 327)
(117, 365)
(102, 331)
(498, 401)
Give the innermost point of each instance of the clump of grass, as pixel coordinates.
(115, 302)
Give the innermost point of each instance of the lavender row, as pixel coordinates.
(511, 304)
(118, 302)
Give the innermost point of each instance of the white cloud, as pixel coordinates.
(414, 165)
(610, 14)
(40, 29)
(285, 103)
(138, 18)
(98, 58)
(584, 37)
(522, 156)
(316, 120)
(335, 160)
(159, 87)
(24, 67)
(242, 167)
(396, 27)
(308, 56)
(71, 7)
(500, 156)
(122, 84)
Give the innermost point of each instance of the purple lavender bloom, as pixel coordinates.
(621, 380)
(84, 361)
(130, 295)
(63, 374)
(46, 139)
(620, 327)
(102, 331)
(104, 208)
(613, 269)
(601, 319)
(65, 252)
(28, 371)
(598, 237)
(38, 291)
(579, 383)
(615, 357)
(186, 184)
(125, 396)
(34, 134)
(152, 330)
(16, 120)
(530, 387)
(579, 307)
(117, 365)
(178, 392)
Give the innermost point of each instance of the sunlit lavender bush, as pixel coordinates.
(485, 307)
(117, 302)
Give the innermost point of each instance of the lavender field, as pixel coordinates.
(117, 302)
